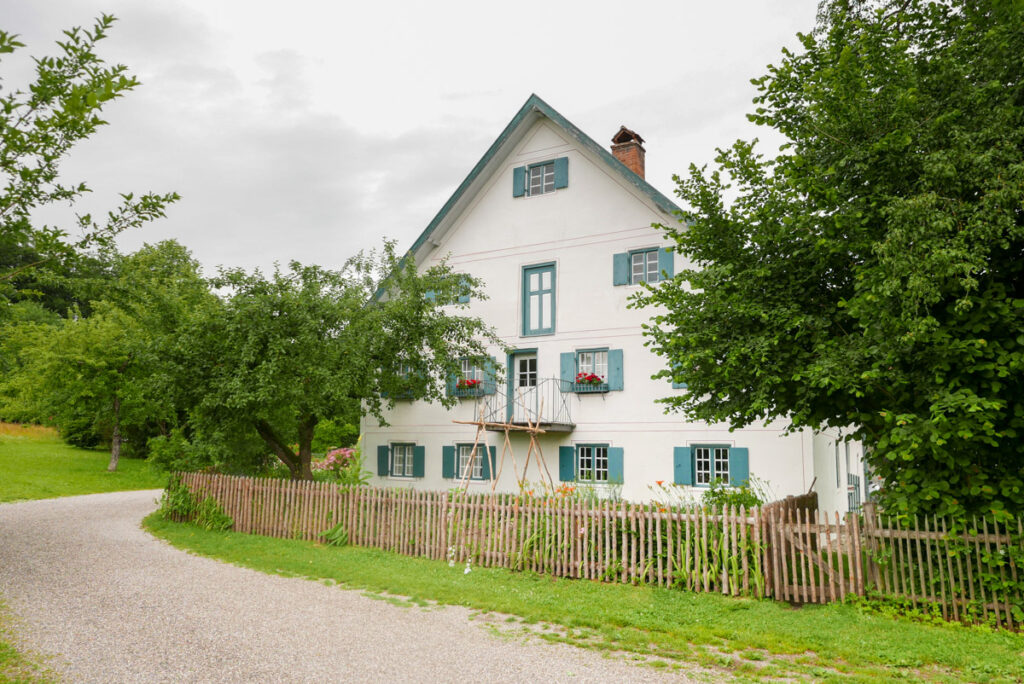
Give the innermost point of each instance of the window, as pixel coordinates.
(465, 455)
(644, 267)
(526, 370)
(711, 463)
(402, 460)
(593, 363)
(539, 300)
(542, 179)
(592, 463)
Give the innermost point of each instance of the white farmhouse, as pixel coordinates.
(559, 228)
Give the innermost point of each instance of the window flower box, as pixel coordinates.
(469, 388)
(589, 383)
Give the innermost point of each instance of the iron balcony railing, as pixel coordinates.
(546, 403)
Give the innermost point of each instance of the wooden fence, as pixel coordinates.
(787, 550)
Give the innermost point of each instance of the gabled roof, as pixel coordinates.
(532, 109)
(518, 125)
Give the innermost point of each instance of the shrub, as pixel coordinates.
(178, 503)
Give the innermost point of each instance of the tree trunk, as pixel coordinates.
(298, 468)
(115, 439)
(306, 448)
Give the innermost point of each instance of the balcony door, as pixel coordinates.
(524, 397)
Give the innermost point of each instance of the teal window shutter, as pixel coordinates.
(567, 363)
(615, 465)
(430, 295)
(383, 460)
(620, 269)
(615, 369)
(448, 462)
(490, 375)
(463, 298)
(677, 385)
(682, 462)
(519, 181)
(487, 454)
(666, 264)
(739, 466)
(566, 463)
(562, 172)
(419, 461)
(453, 379)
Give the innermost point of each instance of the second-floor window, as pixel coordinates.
(542, 179)
(592, 363)
(539, 300)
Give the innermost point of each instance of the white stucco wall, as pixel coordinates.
(578, 228)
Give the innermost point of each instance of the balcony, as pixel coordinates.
(546, 404)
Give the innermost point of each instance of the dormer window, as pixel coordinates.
(540, 178)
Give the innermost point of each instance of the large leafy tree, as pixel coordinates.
(281, 353)
(106, 376)
(39, 126)
(871, 276)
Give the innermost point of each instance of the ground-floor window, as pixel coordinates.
(711, 463)
(402, 460)
(464, 456)
(592, 463)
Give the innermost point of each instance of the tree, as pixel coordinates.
(869, 278)
(38, 128)
(106, 376)
(284, 352)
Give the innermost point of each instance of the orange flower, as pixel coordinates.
(659, 482)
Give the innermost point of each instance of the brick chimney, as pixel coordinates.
(628, 148)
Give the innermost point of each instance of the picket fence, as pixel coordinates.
(786, 550)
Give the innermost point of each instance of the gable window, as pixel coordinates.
(539, 300)
(401, 460)
(592, 463)
(542, 179)
(465, 456)
(644, 266)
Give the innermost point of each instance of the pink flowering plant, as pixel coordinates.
(589, 379)
(344, 466)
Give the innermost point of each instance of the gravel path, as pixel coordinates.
(112, 604)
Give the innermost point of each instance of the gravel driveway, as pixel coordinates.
(112, 604)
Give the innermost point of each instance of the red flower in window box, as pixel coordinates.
(588, 379)
(467, 384)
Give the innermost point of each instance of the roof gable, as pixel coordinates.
(533, 108)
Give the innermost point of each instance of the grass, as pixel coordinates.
(36, 464)
(742, 638)
(16, 665)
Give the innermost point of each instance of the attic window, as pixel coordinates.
(542, 179)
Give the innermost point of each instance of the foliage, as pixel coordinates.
(336, 536)
(871, 275)
(281, 353)
(39, 126)
(720, 494)
(343, 466)
(106, 377)
(180, 504)
(335, 433)
(36, 464)
(813, 642)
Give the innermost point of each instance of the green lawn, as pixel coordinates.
(744, 638)
(36, 464)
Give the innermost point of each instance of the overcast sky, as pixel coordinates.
(310, 130)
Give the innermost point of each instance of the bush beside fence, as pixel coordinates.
(786, 550)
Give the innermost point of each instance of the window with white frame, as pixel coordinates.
(644, 266)
(593, 362)
(470, 371)
(592, 463)
(711, 463)
(539, 300)
(465, 457)
(540, 179)
(401, 460)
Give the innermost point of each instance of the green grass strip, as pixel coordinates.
(36, 464)
(16, 666)
(747, 638)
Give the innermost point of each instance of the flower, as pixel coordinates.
(589, 379)
(467, 383)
